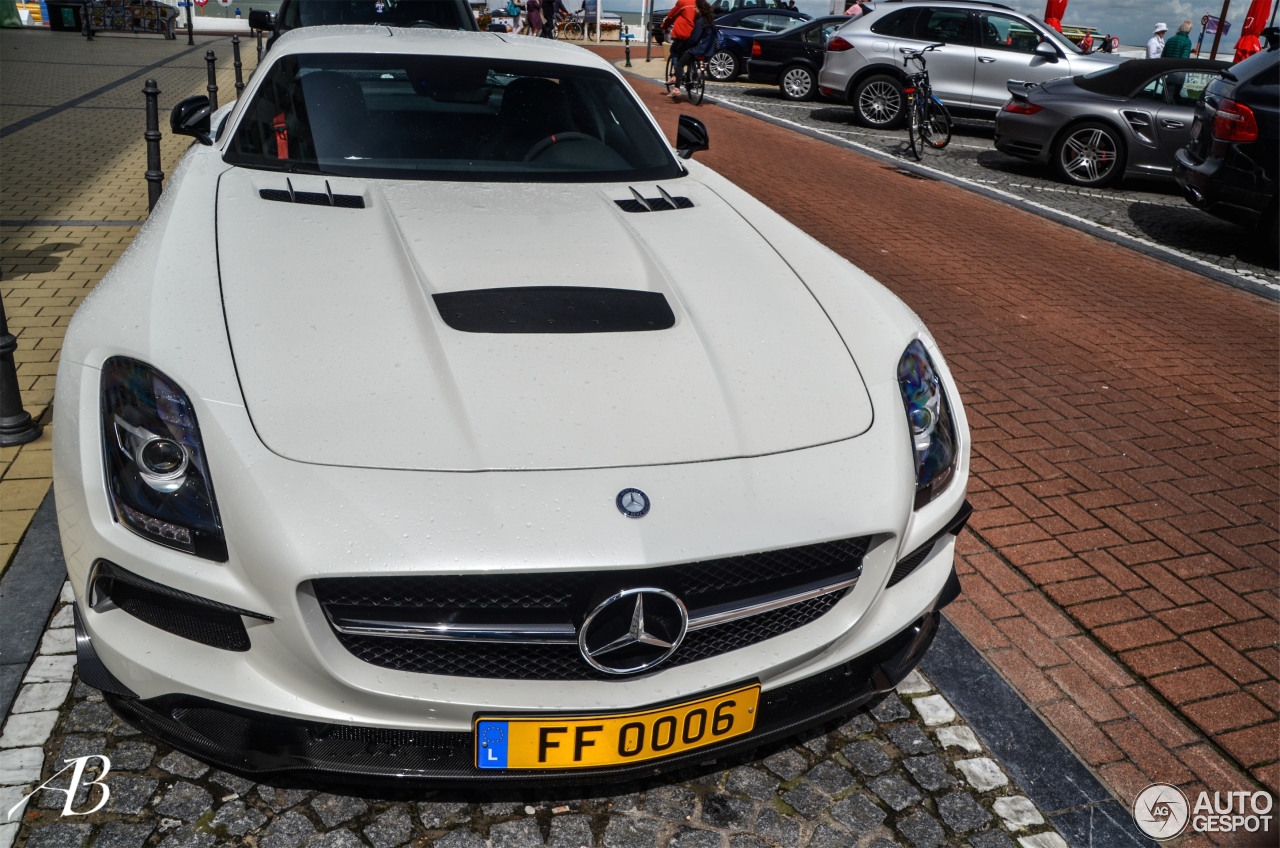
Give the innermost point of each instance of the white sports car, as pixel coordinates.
(419, 435)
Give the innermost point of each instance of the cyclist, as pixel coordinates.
(680, 21)
(700, 43)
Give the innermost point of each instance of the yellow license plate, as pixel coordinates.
(567, 742)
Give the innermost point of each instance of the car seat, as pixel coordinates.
(532, 109)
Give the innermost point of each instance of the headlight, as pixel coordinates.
(933, 435)
(155, 465)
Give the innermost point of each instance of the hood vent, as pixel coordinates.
(665, 203)
(313, 198)
(555, 309)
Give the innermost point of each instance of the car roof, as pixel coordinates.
(432, 42)
(1124, 78)
(980, 3)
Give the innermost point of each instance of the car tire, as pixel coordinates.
(1089, 154)
(798, 83)
(879, 101)
(723, 66)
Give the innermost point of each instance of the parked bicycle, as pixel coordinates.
(928, 120)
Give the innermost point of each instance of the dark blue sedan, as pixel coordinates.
(737, 29)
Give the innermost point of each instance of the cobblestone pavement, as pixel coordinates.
(907, 771)
(1150, 210)
(74, 198)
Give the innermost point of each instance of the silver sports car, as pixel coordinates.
(1125, 120)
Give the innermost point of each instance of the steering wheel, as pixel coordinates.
(425, 25)
(537, 149)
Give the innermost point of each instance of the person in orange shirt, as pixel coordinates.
(680, 20)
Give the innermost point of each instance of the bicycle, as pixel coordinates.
(572, 28)
(695, 78)
(928, 120)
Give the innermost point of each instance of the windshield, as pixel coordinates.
(448, 118)
(435, 14)
(1058, 38)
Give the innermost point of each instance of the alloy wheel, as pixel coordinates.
(879, 102)
(722, 66)
(1088, 156)
(797, 84)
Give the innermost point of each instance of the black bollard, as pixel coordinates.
(155, 176)
(16, 426)
(191, 34)
(628, 53)
(85, 10)
(235, 52)
(259, 47)
(210, 58)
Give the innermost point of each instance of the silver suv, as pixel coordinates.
(986, 45)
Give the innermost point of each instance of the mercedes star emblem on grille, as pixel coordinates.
(632, 631)
(633, 503)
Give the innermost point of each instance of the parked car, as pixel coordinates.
(737, 29)
(1127, 119)
(984, 46)
(720, 7)
(432, 14)
(792, 59)
(524, 521)
(1229, 167)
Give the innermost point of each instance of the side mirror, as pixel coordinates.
(191, 117)
(262, 20)
(1047, 51)
(691, 136)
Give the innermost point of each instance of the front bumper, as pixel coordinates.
(262, 745)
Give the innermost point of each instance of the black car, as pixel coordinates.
(791, 59)
(435, 14)
(1230, 166)
(720, 8)
(738, 29)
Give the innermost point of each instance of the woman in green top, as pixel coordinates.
(1178, 47)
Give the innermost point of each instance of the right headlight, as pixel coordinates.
(155, 464)
(933, 435)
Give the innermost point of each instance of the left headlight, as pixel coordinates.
(155, 464)
(933, 435)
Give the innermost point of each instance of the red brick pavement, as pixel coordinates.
(1122, 569)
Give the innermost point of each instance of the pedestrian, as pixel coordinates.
(792, 5)
(551, 10)
(533, 16)
(1179, 47)
(1155, 47)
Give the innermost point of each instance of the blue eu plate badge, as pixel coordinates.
(491, 752)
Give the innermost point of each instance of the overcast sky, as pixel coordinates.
(1131, 20)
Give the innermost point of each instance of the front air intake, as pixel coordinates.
(555, 309)
(666, 203)
(312, 198)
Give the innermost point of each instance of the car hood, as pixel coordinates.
(345, 359)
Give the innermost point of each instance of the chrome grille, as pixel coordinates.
(523, 626)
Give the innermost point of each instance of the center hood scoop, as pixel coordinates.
(465, 327)
(555, 309)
